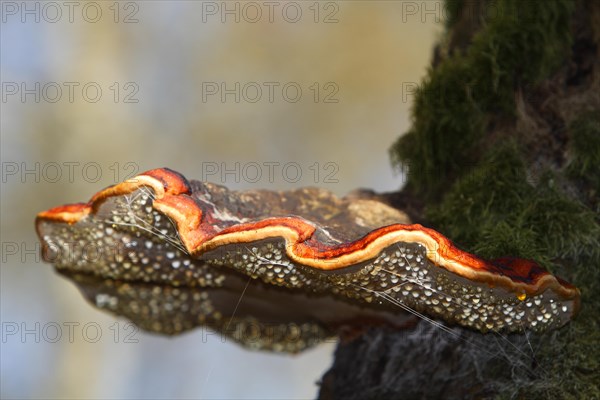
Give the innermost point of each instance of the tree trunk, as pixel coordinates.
(527, 77)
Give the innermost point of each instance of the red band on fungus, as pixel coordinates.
(279, 239)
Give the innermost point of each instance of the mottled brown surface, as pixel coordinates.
(346, 219)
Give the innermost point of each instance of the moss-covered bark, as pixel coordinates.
(504, 158)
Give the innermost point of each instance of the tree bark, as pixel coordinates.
(434, 361)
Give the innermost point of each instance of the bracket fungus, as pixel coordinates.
(172, 254)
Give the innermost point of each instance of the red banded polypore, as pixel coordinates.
(158, 228)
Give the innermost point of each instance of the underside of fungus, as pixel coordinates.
(263, 267)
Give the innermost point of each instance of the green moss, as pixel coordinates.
(486, 193)
(448, 116)
(571, 356)
(520, 44)
(584, 147)
(495, 211)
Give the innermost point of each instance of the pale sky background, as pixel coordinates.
(146, 80)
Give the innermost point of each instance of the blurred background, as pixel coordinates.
(247, 94)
